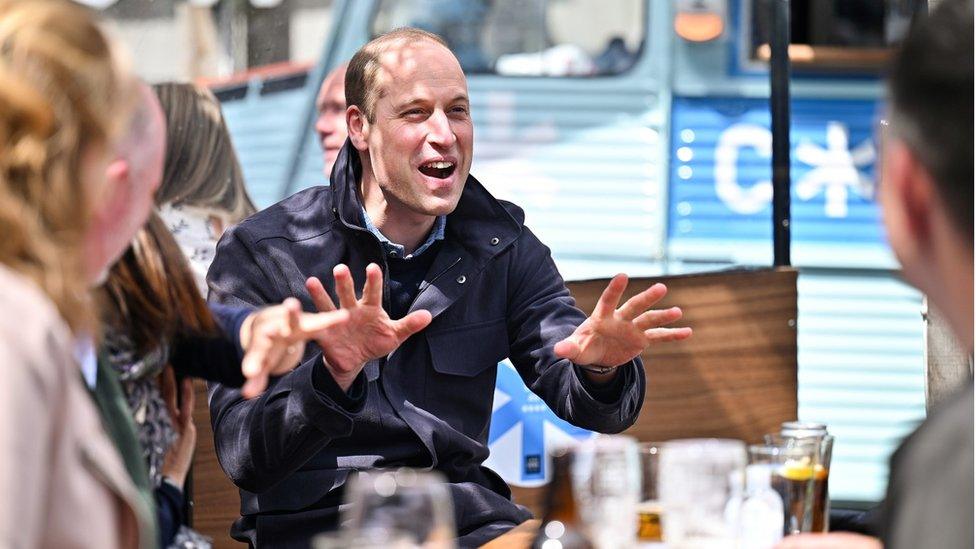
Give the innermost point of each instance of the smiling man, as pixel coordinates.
(434, 251)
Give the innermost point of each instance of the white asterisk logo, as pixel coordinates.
(835, 170)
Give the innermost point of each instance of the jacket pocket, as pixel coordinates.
(299, 491)
(460, 384)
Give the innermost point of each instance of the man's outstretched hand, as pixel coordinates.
(273, 339)
(612, 336)
(369, 334)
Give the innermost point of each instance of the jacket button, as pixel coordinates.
(495, 241)
(461, 279)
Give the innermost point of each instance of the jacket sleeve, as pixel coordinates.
(263, 440)
(217, 358)
(542, 313)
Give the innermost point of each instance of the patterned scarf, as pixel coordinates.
(139, 379)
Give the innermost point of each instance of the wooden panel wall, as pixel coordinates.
(216, 503)
(736, 378)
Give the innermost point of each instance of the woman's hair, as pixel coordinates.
(201, 167)
(64, 97)
(151, 294)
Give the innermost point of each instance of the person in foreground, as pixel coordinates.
(927, 200)
(61, 112)
(433, 251)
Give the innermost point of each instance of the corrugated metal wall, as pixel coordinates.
(860, 370)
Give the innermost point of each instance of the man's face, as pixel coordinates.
(132, 181)
(905, 207)
(419, 143)
(331, 122)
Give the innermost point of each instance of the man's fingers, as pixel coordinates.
(266, 352)
(293, 309)
(373, 289)
(642, 301)
(568, 349)
(663, 335)
(610, 297)
(411, 324)
(320, 297)
(657, 317)
(254, 386)
(289, 360)
(310, 324)
(344, 286)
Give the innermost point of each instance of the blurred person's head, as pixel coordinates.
(927, 161)
(201, 167)
(132, 176)
(150, 293)
(409, 118)
(65, 99)
(330, 125)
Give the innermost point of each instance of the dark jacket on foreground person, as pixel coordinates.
(493, 291)
(930, 490)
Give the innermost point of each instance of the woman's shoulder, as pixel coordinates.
(31, 328)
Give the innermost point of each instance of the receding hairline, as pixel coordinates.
(367, 60)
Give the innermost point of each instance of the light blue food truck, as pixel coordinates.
(635, 134)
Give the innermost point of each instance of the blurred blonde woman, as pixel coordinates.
(64, 99)
(202, 192)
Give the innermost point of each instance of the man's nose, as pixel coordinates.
(439, 131)
(323, 124)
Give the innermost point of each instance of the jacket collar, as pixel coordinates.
(479, 223)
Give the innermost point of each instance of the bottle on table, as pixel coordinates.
(562, 527)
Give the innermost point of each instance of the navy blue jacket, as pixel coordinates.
(494, 292)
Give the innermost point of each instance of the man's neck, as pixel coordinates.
(394, 220)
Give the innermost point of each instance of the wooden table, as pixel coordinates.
(522, 535)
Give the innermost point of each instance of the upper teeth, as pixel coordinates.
(440, 165)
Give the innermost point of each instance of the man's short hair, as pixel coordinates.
(931, 96)
(364, 65)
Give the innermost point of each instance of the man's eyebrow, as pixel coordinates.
(460, 97)
(408, 103)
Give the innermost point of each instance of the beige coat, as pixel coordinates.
(62, 482)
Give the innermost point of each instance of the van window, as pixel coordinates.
(835, 35)
(528, 37)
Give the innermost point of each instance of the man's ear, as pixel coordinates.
(117, 173)
(913, 191)
(357, 126)
(114, 198)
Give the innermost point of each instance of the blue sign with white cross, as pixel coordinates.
(522, 429)
(720, 198)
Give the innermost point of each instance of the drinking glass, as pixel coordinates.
(649, 508)
(606, 482)
(417, 503)
(701, 482)
(824, 445)
(375, 538)
(791, 470)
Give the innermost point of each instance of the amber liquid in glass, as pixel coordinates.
(649, 521)
(792, 488)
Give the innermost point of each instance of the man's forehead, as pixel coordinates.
(406, 59)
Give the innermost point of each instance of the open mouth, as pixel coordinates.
(440, 169)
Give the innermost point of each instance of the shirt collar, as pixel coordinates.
(392, 249)
(87, 359)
